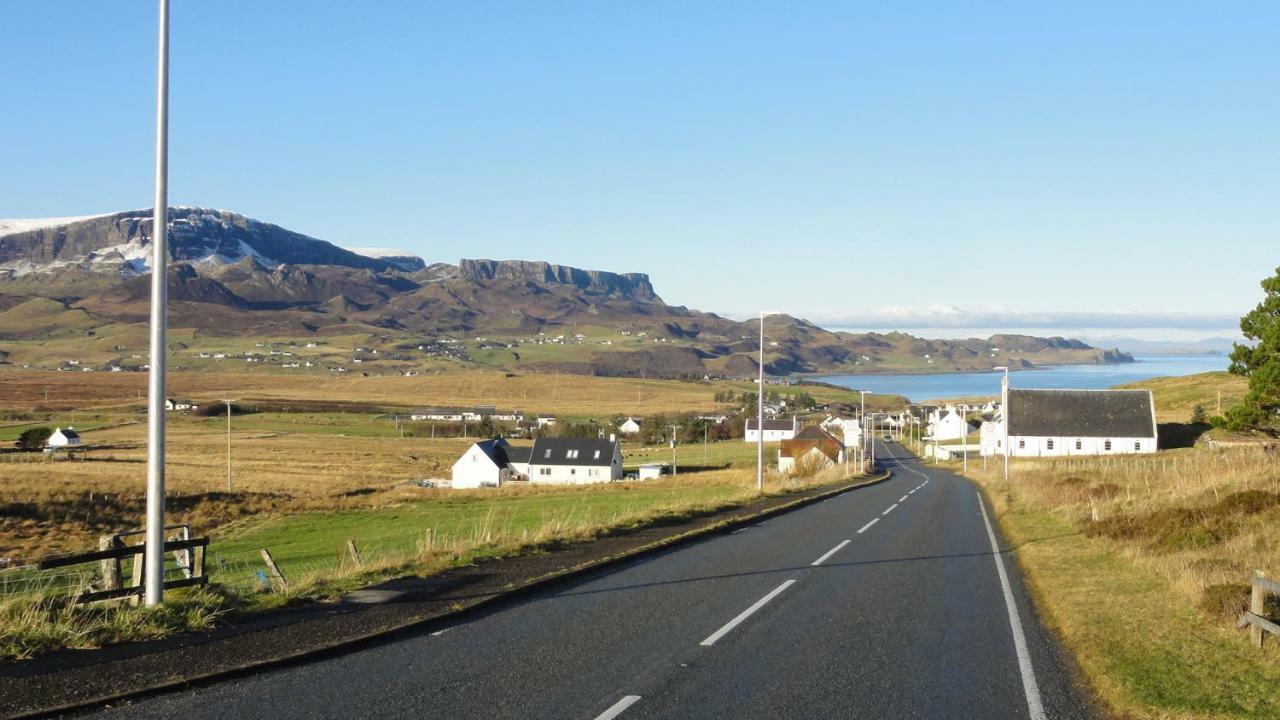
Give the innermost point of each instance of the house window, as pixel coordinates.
(1079, 445)
(1048, 445)
(573, 471)
(548, 453)
(1022, 444)
(1106, 445)
(1137, 445)
(597, 455)
(593, 472)
(544, 471)
(571, 454)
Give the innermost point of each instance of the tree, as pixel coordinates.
(33, 438)
(1198, 415)
(1260, 362)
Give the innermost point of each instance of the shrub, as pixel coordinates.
(34, 438)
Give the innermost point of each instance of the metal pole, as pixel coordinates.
(760, 415)
(153, 578)
(1004, 412)
(964, 429)
(228, 402)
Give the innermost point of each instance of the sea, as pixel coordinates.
(933, 386)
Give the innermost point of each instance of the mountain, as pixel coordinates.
(234, 277)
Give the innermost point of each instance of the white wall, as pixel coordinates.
(474, 470)
(1025, 446)
(577, 474)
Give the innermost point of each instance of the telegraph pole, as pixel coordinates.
(228, 402)
(674, 428)
(153, 577)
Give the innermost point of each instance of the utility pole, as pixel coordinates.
(1004, 416)
(674, 429)
(862, 425)
(228, 402)
(704, 445)
(964, 430)
(153, 562)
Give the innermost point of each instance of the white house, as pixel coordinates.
(484, 464)
(575, 460)
(630, 426)
(437, 414)
(546, 421)
(812, 447)
(179, 405)
(63, 438)
(774, 430)
(1055, 423)
(949, 425)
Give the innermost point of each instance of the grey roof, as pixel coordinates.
(519, 454)
(1082, 413)
(70, 434)
(772, 424)
(555, 451)
(496, 449)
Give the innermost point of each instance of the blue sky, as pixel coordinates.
(864, 164)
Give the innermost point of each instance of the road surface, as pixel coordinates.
(885, 602)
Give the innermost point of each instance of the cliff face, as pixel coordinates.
(633, 286)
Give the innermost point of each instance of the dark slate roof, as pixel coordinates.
(555, 451)
(813, 432)
(70, 434)
(771, 424)
(496, 449)
(1081, 413)
(519, 454)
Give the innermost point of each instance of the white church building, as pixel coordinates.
(1058, 423)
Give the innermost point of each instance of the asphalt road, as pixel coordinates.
(885, 602)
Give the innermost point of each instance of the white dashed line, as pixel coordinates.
(868, 526)
(902, 499)
(618, 708)
(711, 639)
(1029, 686)
(891, 507)
(830, 552)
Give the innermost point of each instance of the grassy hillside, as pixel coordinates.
(1176, 396)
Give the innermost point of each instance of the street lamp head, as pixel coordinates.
(1001, 367)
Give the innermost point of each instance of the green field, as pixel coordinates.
(728, 452)
(315, 542)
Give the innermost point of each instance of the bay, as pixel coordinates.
(932, 386)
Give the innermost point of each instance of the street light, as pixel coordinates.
(760, 409)
(862, 424)
(1004, 412)
(153, 563)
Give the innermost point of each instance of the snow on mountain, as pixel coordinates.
(11, 226)
(404, 260)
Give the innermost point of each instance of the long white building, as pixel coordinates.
(1057, 423)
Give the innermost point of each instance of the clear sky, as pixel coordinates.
(862, 164)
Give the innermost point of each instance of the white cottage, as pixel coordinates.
(630, 426)
(63, 438)
(484, 464)
(575, 460)
(949, 425)
(774, 430)
(1055, 423)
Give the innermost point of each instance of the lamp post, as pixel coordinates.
(1004, 413)
(153, 562)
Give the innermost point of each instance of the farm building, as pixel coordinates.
(630, 426)
(774, 430)
(63, 438)
(812, 446)
(1055, 423)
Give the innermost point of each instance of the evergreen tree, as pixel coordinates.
(1260, 362)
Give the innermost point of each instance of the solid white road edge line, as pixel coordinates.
(1029, 686)
(711, 639)
(618, 707)
(868, 525)
(830, 552)
(891, 507)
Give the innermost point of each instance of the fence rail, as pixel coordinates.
(108, 582)
(1254, 617)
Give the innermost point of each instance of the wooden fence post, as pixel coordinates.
(1257, 606)
(355, 552)
(277, 577)
(110, 566)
